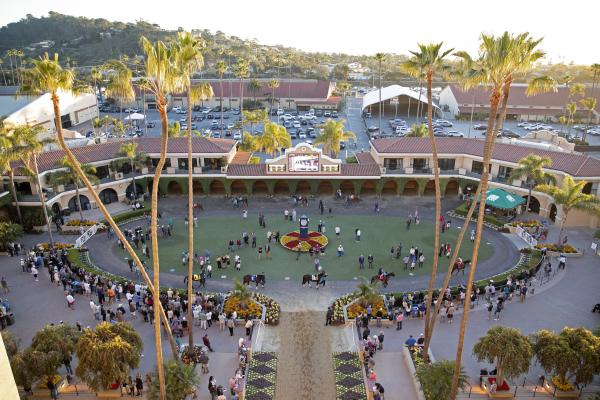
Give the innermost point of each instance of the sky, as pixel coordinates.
(570, 29)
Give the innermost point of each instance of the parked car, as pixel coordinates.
(237, 135)
(480, 127)
(455, 134)
(509, 134)
(373, 128)
(150, 124)
(302, 135)
(319, 113)
(342, 145)
(334, 114)
(216, 135)
(327, 114)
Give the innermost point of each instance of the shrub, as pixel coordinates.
(526, 224)
(567, 248)
(32, 216)
(83, 222)
(57, 246)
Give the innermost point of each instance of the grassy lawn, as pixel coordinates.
(379, 234)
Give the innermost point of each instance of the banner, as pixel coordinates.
(86, 236)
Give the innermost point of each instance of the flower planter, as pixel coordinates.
(384, 320)
(567, 255)
(506, 392)
(551, 388)
(408, 361)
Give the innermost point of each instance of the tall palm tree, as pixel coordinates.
(254, 86)
(164, 78)
(242, 70)
(273, 84)
(531, 168)
(68, 175)
(499, 58)
(31, 147)
(430, 60)
(119, 83)
(332, 134)
(596, 74)
(96, 76)
(3, 74)
(10, 54)
(274, 138)
(142, 83)
(380, 58)
(589, 103)
(569, 196)
(571, 111)
(221, 68)
(136, 160)
(47, 75)
(11, 152)
(189, 61)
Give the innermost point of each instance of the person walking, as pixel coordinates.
(248, 326)
(399, 319)
(328, 316)
(361, 261)
(34, 272)
(230, 325)
(212, 387)
(206, 342)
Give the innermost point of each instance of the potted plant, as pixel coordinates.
(572, 356)
(436, 379)
(510, 351)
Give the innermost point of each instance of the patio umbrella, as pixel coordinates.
(502, 199)
(135, 117)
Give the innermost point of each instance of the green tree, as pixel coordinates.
(418, 131)
(30, 365)
(11, 152)
(589, 103)
(67, 175)
(181, 379)
(569, 196)
(9, 232)
(380, 58)
(136, 160)
(273, 84)
(241, 292)
(221, 69)
(254, 87)
(436, 379)
(107, 354)
(573, 355)
(366, 291)
(331, 136)
(274, 139)
(60, 339)
(242, 70)
(119, 83)
(499, 58)
(531, 169)
(508, 349)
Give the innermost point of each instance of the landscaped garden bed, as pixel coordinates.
(555, 250)
(262, 376)
(249, 309)
(291, 240)
(349, 380)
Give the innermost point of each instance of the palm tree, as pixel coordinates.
(3, 74)
(10, 55)
(136, 160)
(96, 75)
(119, 83)
(331, 136)
(142, 83)
(418, 131)
(241, 292)
(430, 60)
(242, 69)
(189, 61)
(531, 167)
(380, 58)
(68, 175)
(569, 196)
(596, 72)
(11, 152)
(30, 145)
(221, 68)
(274, 138)
(254, 86)
(571, 111)
(366, 291)
(499, 58)
(181, 380)
(273, 84)
(589, 103)
(19, 54)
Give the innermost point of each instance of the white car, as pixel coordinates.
(237, 135)
(296, 124)
(279, 111)
(302, 135)
(455, 134)
(230, 126)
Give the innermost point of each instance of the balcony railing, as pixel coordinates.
(421, 170)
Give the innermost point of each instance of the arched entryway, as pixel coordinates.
(197, 187)
(282, 188)
(368, 188)
(174, 188)
(85, 203)
(429, 188)
(217, 187)
(303, 188)
(411, 188)
(260, 187)
(129, 191)
(469, 188)
(325, 188)
(534, 204)
(108, 196)
(553, 212)
(347, 188)
(238, 187)
(451, 189)
(390, 187)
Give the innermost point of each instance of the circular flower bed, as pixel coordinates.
(251, 309)
(291, 240)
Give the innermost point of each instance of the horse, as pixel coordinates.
(460, 265)
(196, 278)
(318, 279)
(258, 280)
(385, 280)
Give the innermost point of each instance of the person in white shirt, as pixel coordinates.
(70, 301)
(34, 272)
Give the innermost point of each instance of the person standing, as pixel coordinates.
(361, 261)
(212, 387)
(328, 316)
(34, 272)
(248, 326)
(230, 325)
(139, 384)
(399, 319)
(370, 260)
(206, 342)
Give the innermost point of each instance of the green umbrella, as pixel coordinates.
(502, 199)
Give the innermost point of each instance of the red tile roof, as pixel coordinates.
(517, 99)
(572, 164)
(151, 145)
(365, 157)
(511, 110)
(241, 157)
(247, 170)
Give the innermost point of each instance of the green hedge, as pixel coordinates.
(463, 210)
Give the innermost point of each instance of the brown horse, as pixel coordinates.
(197, 278)
(317, 279)
(385, 280)
(258, 280)
(460, 265)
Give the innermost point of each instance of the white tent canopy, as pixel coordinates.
(390, 92)
(135, 117)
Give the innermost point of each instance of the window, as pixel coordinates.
(392, 163)
(477, 167)
(446, 164)
(504, 172)
(420, 164)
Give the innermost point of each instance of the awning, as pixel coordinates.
(135, 117)
(499, 198)
(390, 92)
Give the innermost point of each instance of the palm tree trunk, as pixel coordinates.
(438, 210)
(78, 201)
(408, 110)
(42, 199)
(529, 197)
(242, 102)
(13, 190)
(419, 106)
(495, 98)
(221, 105)
(110, 221)
(4, 77)
(12, 71)
(562, 226)
(162, 103)
(191, 224)
(456, 251)
(380, 105)
(144, 108)
(133, 179)
(502, 114)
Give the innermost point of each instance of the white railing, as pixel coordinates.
(86, 236)
(526, 236)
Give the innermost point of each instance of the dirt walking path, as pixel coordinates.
(304, 366)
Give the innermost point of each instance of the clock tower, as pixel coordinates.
(304, 226)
